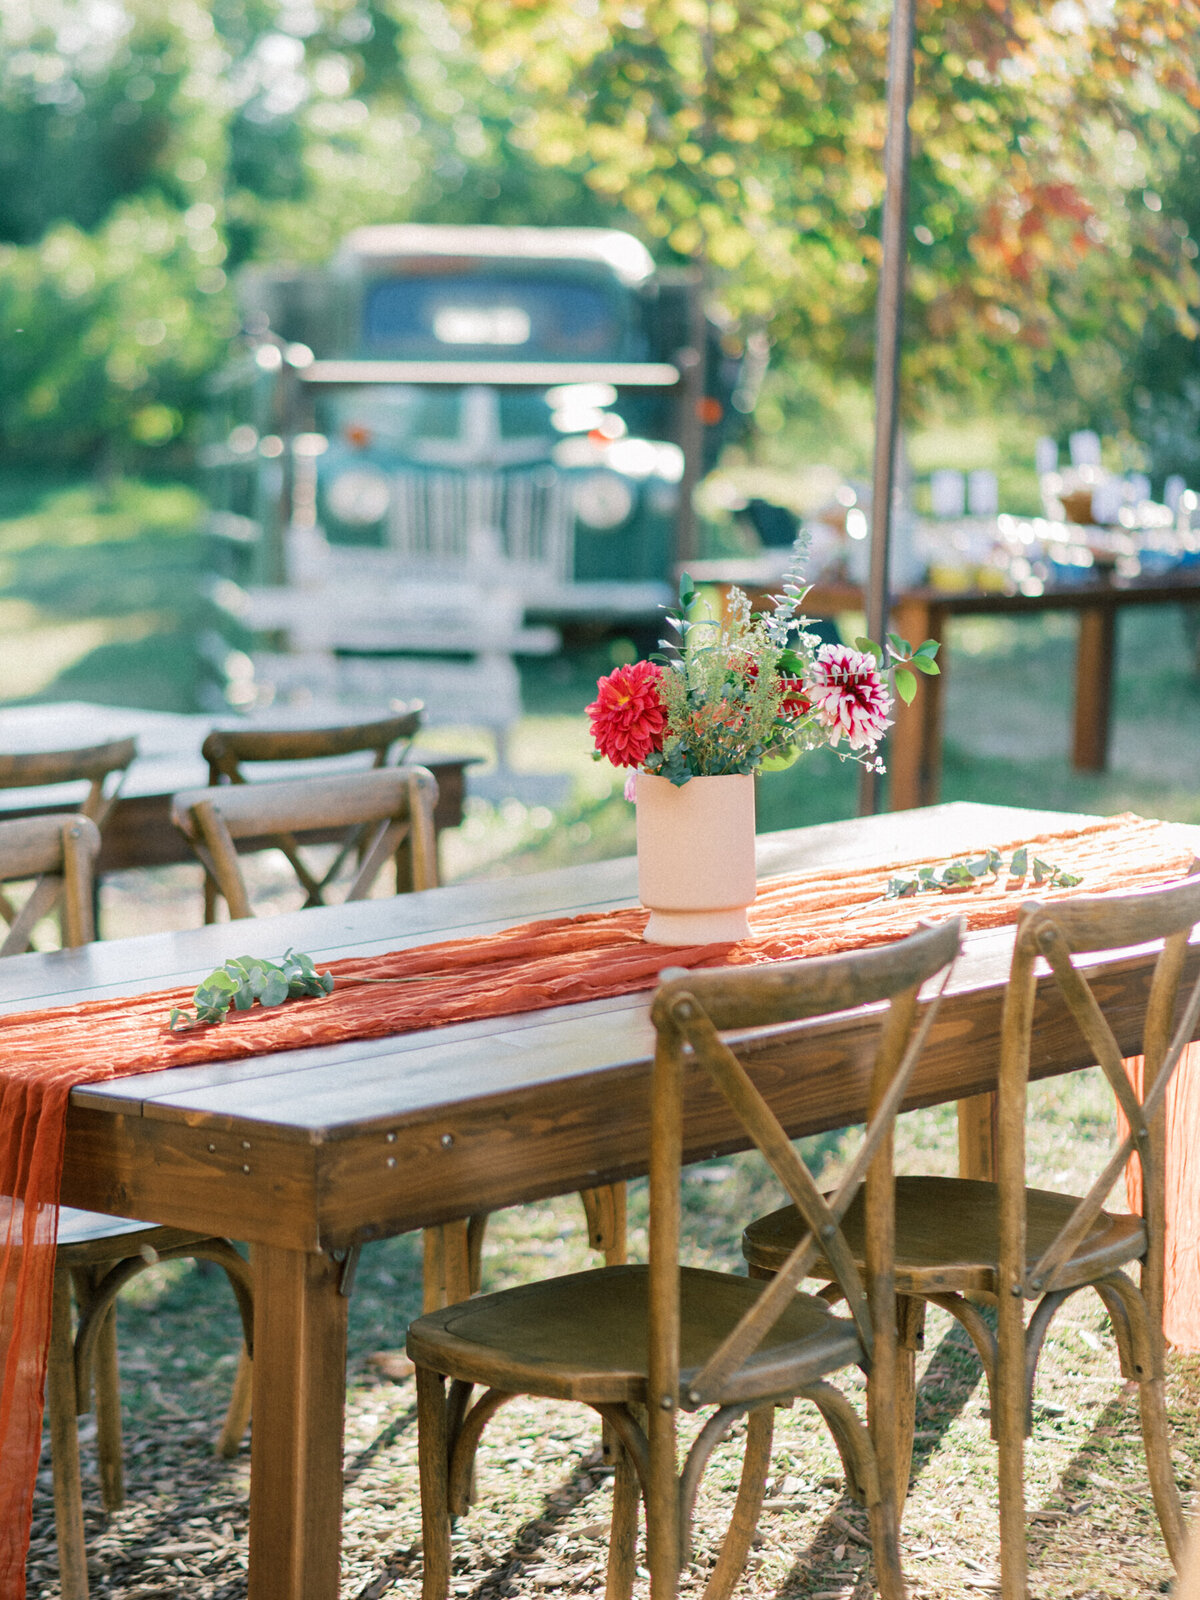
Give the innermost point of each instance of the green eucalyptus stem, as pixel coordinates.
(958, 875)
(245, 980)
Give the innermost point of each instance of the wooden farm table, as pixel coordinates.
(139, 832)
(312, 1153)
(915, 749)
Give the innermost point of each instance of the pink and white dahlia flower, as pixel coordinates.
(848, 692)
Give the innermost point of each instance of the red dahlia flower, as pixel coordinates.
(627, 715)
(849, 693)
(795, 702)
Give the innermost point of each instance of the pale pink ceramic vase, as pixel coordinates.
(695, 847)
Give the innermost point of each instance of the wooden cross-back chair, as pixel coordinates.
(960, 1239)
(56, 853)
(229, 751)
(399, 802)
(640, 1343)
(102, 767)
(97, 1255)
(396, 802)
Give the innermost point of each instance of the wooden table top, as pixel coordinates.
(330, 1145)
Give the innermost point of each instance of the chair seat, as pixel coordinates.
(948, 1237)
(586, 1337)
(88, 1238)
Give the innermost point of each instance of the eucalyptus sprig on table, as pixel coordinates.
(963, 874)
(243, 980)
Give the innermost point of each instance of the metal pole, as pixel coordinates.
(889, 318)
(691, 363)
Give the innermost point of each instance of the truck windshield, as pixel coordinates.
(523, 317)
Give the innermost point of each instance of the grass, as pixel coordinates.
(102, 594)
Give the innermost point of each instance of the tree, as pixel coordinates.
(750, 133)
(151, 148)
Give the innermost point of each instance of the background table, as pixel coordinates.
(139, 832)
(915, 748)
(312, 1153)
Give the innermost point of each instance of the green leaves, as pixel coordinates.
(246, 979)
(1053, 877)
(870, 648)
(922, 658)
(906, 684)
(904, 661)
(958, 875)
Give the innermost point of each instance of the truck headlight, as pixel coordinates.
(602, 500)
(360, 495)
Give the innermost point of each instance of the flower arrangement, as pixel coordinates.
(755, 690)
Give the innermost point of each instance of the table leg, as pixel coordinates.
(977, 1137)
(1094, 669)
(296, 1446)
(914, 748)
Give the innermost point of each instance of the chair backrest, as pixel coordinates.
(59, 852)
(227, 749)
(1058, 932)
(398, 802)
(102, 766)
(691, 1013)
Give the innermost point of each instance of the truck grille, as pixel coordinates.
(452, 518)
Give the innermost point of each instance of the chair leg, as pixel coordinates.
(756, 1462)
(854, 1445)
(106, 1379)
(1139, 1339)
(64, 1446)
(237, 1414)
(1008, 1401)
(1156, 1440)
(433, 1463)
(885, 1548)
(910, 1325)
(622, 1550)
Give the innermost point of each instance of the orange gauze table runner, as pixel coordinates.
(44, 1054)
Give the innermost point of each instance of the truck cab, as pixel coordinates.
(511, 400)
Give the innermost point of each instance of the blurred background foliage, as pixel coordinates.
(148, 148)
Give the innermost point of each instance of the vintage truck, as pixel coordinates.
(449, 407)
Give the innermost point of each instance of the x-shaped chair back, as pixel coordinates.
(395, 803)
(59, 853)
(1059, 933)
(691, 1012)
(102, 767)
(229, 750)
